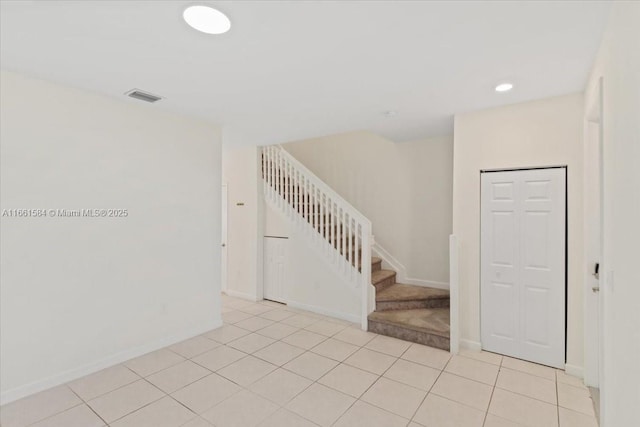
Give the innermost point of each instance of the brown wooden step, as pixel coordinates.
(404, 297)
(427, 326)
(382, 279)
(376, 264)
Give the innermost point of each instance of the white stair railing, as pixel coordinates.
(333, 225)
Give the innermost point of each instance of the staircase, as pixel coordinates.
(411, 313)
(344, 237)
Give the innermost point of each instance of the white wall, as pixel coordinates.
(547, 132)
(404, 189)
(80, 294)
(618, 63)
(312, 282)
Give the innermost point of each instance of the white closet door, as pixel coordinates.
(275, 258)
(523, 264)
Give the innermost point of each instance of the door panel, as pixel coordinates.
(275, 258)
(523, 264)
(504, 322)
(536, 327)
(504, 245)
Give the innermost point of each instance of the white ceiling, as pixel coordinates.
(293, 70)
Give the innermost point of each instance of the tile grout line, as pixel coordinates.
(372, 384)
(430, 388)
(356, 399)
(143, 406)
(318, 319)
(493, 389)
(281, 367)
(557, 399)
(87, 405)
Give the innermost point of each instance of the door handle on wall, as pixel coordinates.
(596, 274)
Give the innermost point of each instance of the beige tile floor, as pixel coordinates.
(272, 366)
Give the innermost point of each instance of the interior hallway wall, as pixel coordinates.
(618, 63)
(79, 294)
(547, 132)
(244, 270)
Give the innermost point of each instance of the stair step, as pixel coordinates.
(427, 326)
(382, 279)
(404, 297)
(376, 264)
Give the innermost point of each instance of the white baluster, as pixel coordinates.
(273, 174)
(344, 238)
(322, 222)
(352, 253)
(305, 204)
(289, 189)
(332, 232)
(268, 151)
(358, 262)
(286, 185)
(314, 214)
(294, 191)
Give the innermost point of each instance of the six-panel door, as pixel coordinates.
(523, 264)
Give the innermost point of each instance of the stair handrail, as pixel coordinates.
(363, 264)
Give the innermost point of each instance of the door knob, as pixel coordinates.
(224, 244)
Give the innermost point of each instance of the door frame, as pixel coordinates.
(594, 303)
(223, 237)
(566, 240)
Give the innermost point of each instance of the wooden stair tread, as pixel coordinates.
(381, 275)
(375, 260)
(402, 292)
(434, 321)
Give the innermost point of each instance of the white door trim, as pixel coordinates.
(223, 238)
(594, 242)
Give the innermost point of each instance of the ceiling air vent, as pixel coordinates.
(143, 96)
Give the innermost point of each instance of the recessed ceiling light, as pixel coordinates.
(504, 87)
(207, 19)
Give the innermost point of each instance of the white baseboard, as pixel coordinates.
(470, 345)
(574, 370)
(355, 318)
(401, 271)
(388, 259)
(90, 368)
(425, 283)
(238, 294)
